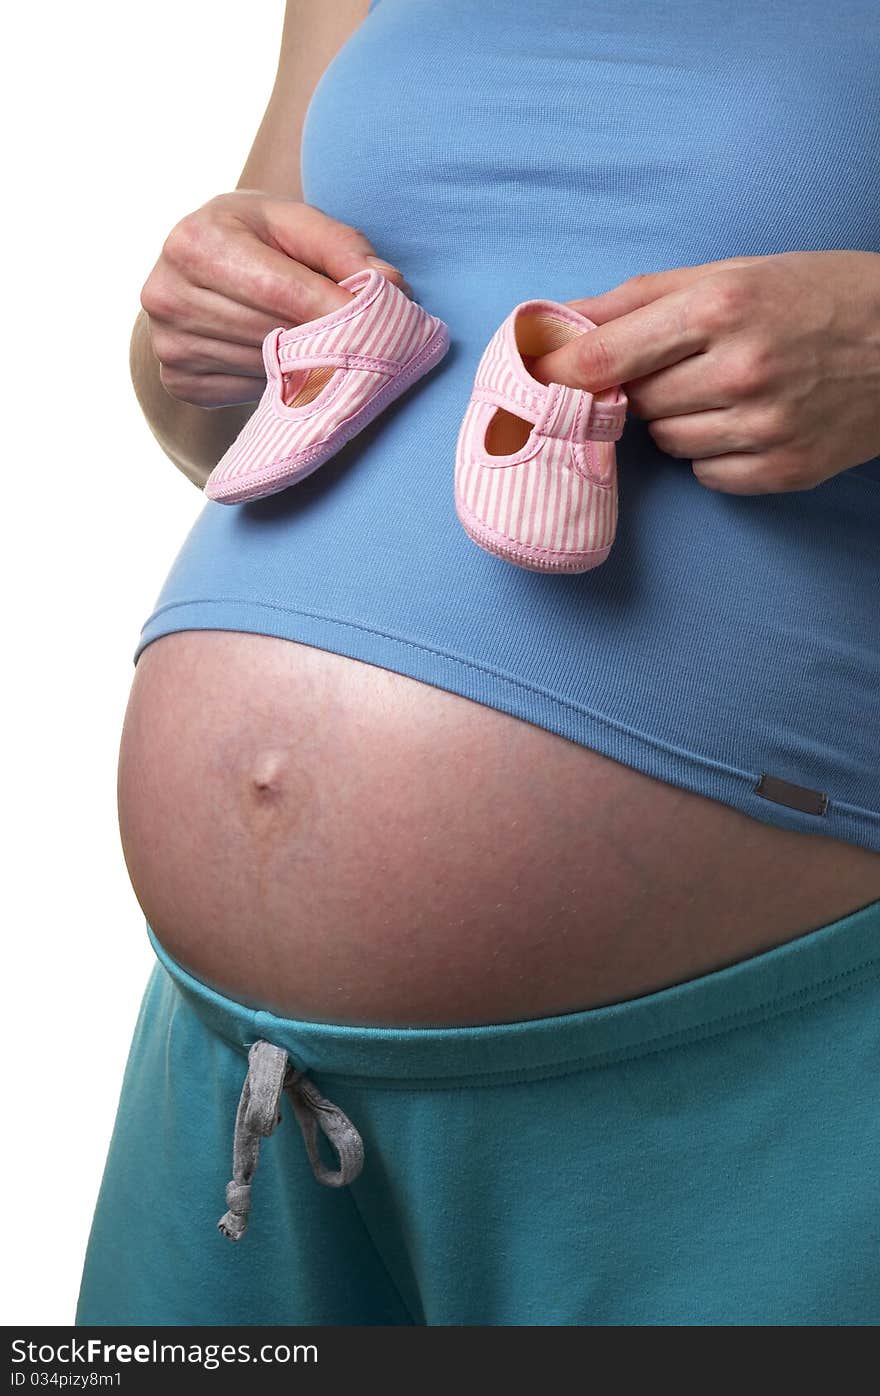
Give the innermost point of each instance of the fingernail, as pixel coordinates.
(384, 266)
(403, 284)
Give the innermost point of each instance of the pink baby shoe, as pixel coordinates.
(326, 379)
(535, 466)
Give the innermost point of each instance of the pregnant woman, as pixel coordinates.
(544, 909)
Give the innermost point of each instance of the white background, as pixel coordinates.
(119, 119)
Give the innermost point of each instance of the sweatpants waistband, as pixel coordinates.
(817, 966)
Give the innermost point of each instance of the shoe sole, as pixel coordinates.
(430, 354)
(506, 548)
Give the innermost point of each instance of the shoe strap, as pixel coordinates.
(555, 409)
(280, 358)
(576, 415)
(289, 361)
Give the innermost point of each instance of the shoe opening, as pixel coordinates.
(302, 387)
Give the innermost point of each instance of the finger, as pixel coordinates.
(309, 235)
(744, 473)
(702, 435)
(636, 292)
(194, 310)
(697, 384)
(242, 259)
(191, 354)
(249, 272)
(649, 338)
(646, 287)
(211, 389)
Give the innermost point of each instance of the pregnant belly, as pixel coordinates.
(330, 840)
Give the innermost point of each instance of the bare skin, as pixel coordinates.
(335, 841)
(338, 842)
(760, 401)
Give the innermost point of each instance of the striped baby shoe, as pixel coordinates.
(325, 380)
(535, 465)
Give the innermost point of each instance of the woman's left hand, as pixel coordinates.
(762, 371)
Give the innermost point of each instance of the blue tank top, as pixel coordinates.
(511, 149)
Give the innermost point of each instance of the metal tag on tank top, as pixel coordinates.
(783, 792)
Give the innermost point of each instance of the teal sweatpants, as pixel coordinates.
(705, 1155)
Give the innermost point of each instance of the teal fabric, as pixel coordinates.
(705, 1155)
(497, 150)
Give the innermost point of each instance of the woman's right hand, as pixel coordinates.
(238, 267)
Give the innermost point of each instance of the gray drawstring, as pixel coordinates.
(269, 1073)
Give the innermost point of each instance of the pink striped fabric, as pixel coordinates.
(552, 505)
(377, 346)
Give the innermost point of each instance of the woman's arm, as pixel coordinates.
(195, 436)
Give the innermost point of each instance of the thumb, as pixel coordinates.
(640, 327)
(643, 340)
(592, 361)
(324, 244)
(619, 346)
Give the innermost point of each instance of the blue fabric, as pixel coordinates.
(705, 1155)
(511, 149)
